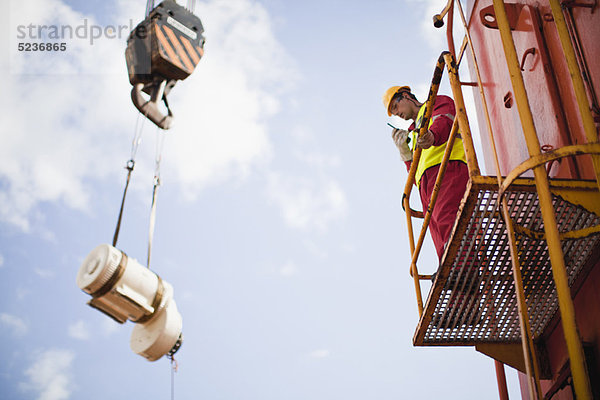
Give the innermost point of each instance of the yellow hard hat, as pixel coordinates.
(389, 95)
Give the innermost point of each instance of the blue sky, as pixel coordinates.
(279, 222)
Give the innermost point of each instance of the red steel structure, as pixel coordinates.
(520, 277)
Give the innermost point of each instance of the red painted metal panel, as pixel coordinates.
(556, 117)
(502, 109)
(586, 29)
(546, 77)
(541, 88)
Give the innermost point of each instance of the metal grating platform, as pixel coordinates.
(473, 299)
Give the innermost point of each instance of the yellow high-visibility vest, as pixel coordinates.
(434, 155)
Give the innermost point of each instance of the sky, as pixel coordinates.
(279, 223)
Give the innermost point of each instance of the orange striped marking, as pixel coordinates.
(180, 51)
(191, 51)
(165, 43)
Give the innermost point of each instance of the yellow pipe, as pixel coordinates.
(575, 234)
(567, 310)
(406, 197)
(414, 272)
(436, 189)
(438, 19)
(410, 180)
(450, 28)
(461, 114)
(580, 94)
(482, 94)
(531, 364)
(417, 153)
(418, 292)
(413, 266)
(541, 159)
(472, 164)
(461, 52)
(411, 236)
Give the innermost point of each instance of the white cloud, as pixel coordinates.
(222, 127)
(288, 269)
(319, 353)
(424, 11)
(314, 248)
(16, 324)
(188, 295)
(307, 203)
(109, 326)
(22, 292)
(1, 261)
(79, 330)
(314, 199)
(421, 90)
(319, 160)
(69, 121)
(49, 375)
(61, 120)
(44, 273)
(348, 248)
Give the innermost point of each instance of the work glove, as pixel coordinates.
(425, 140)
(400, 137)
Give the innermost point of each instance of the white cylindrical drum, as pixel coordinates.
(159, 336)
(98, 268)
(120, 286)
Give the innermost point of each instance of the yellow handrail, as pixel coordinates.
(567, 310)
(582, 101)
(551, 235)
(461, 123)
(531, 364)
(461, 114)
(481, 94)
(427, 218)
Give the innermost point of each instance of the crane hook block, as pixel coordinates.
(163, 49)
(168, 44)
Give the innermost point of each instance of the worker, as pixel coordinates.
(400, 101)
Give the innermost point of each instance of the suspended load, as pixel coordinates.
(164, 48)
(125, 290)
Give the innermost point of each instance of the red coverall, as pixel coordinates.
(453, 184)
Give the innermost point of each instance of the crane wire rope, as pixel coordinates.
(137, 139)
(191, 5)
(149, 7)
(160, 142)
(174, 368)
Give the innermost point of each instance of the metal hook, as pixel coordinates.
(527, 52)
(150, 107)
